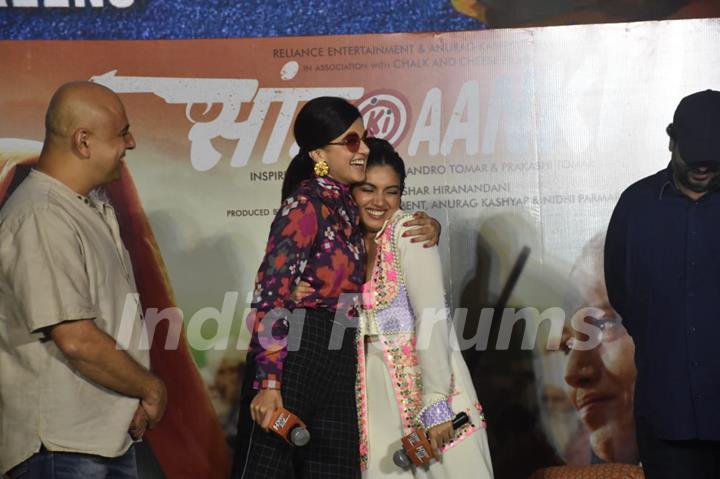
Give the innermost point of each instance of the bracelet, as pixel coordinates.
(436, 413)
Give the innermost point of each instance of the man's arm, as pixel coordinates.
(614, 258)
(96, 356)
(44, 258)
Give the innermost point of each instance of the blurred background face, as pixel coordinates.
(602, 380)
(223, 376)
(378, 197)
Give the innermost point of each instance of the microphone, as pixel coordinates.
(289, 427)
(416, 446)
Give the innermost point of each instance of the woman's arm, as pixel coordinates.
(290, 242)
(424, 229)
(292, 235)
(422, 272)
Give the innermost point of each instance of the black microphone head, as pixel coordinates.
(401, 459)
(460, 420)
(299, 436)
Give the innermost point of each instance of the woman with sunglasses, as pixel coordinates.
(292, 363)
(409, 375)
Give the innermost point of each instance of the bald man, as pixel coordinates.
(75, 388)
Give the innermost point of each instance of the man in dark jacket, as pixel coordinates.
(662, 269)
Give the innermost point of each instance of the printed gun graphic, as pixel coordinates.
(230, 93)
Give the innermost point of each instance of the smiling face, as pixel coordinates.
(87, 135)
(109, 140)
(378, 197)
(344, 165)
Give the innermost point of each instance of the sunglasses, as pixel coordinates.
(351, 141)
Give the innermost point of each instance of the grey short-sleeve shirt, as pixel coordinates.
(61, 259)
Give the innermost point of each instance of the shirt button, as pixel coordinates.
(691, 329)
(691, 294)
(694, 364)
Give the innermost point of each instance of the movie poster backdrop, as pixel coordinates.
(518, 141)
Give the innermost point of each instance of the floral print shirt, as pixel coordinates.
(315, 237)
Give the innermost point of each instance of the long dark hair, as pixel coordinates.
(320, 121)
(382, 153)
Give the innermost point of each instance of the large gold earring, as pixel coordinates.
(321, 168)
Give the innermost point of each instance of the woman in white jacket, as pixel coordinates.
(408, 373)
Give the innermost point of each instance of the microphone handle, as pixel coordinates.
(401, 457)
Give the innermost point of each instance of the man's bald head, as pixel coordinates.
(79, 105)
(86, 136)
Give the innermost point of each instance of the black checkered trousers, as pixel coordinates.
(318, 385)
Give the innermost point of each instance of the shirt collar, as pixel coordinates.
(65, 190)
(332, 184)
(387, 222)
(669, 182)
(339, 197)
(61, 187)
